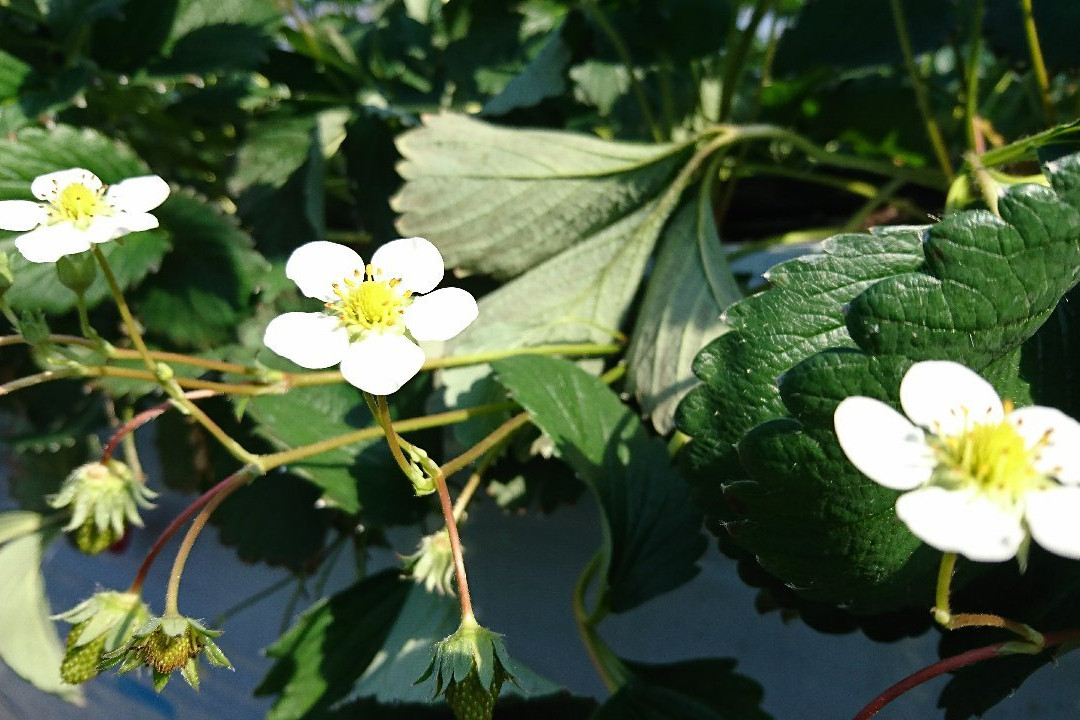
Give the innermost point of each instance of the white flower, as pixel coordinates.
(981, 477)
(374, 314)
(79, 210)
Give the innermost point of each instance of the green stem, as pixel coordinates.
(464, 596)
(613, 673)
(733, 65)
(624, 56)
(381, 411)
(1037, 63)
(971, 84)
(227, 487)
(491, 441)
(921, 97)
(37, 379)
(942, 612)
(125, 313)
(572, 349)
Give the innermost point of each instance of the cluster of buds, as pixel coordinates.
(103, 497)
(469, 669)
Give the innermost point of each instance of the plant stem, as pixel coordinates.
(464, 597)
(1037, 63)
(498, 435)
(125, 313)
(942, 612)
(971, 84)
(628, 62)
(227, 487)
(733, 63)
(142, 418)
(921, 98)
(955, 663)
(37, 379)
(613, 673)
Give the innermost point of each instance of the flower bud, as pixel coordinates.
(103, 498)
(432, 565)
(77, 272)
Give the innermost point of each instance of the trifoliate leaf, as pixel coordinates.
(652, 537)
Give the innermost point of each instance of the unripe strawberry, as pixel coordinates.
(80, 662)
(103, 498)
(469, 700)
(91, 540)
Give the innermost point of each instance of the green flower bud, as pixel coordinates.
(470, 667)
(167, 644)
(77, 272)
(103, 498)
(99, 625)
(432, 565)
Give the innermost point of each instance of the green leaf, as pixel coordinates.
(689, 690)
(13, 72)
(215, 35)
(15, 524)
(310, 414)
(29, 644)
(972, 289)
(529, 195)
(331, 645)
(689, 287)
(543, 77)
(32, 152)
(205, 284)
(652, 537)
(275, 520)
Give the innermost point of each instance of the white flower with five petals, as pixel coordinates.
(980, 477)
(78, 210)
(374, 315)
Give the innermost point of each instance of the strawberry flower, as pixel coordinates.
(979, 478)
(374, 314)
(78, 210)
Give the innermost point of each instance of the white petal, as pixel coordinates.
(46, 186)
(1053, 518)
(382, 362)
(49, 243)
(945, 397)
(415, 260)
(134, 222)
(311, 340)
(1058, 437)
(21, 215)
(962, 521)
(441, 315)
(138, 194)
(317, 266)
(882, 444)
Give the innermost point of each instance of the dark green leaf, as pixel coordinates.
(330, 647)
(652, 537)
(689, 690)
(206, 282)
(543, 77)
(216, 35)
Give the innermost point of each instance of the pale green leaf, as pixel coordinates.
(501, 200)
(29, 644)
(17, 523)
(689, 287)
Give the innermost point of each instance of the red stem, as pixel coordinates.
(953, 663)
(144, 417)
(227, 485)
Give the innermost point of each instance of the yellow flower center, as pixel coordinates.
(993, 458)
(370, 304)
(79, 205)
